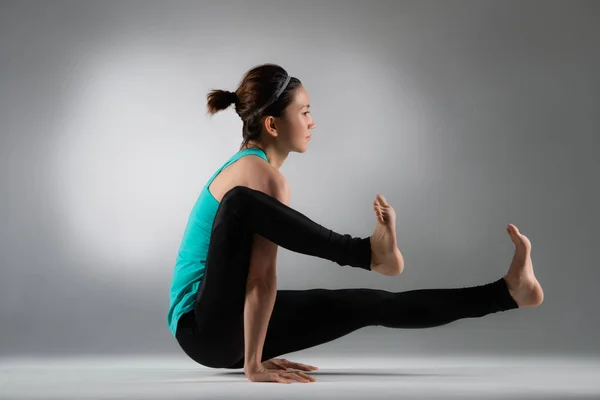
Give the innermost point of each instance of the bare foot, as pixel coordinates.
(520, 279)
(385, 255)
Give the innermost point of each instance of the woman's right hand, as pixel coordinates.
(261, 374)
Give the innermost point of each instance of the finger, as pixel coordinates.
(281, 379)
(273, 364)
(303, 367)
(383, 199)
(295, 376)
(283, 363)
(306, 376)
(297, 366)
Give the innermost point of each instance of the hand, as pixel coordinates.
(282, 363)
(262, 374)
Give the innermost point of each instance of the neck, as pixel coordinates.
(275, 156)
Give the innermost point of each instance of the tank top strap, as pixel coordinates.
(253, 150)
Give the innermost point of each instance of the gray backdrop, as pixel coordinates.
(466, 115)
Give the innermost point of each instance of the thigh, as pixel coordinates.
(219, 306)
(222, 291)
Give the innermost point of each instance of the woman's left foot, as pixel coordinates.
(520, 279)
(385, 255)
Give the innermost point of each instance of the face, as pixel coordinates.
(294, 127)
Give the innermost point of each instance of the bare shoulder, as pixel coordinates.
(255, 168)
(262, 176)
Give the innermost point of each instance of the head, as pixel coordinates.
(285, 124)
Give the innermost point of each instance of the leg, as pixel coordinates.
(306, 318)
(260, 213)
(217, 338)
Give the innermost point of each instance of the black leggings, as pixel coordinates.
(213, 333)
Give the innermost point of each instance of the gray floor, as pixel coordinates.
(339, 378)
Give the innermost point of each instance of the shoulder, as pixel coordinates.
(278, 186)
(262, 176)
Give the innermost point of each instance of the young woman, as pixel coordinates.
(225, 309)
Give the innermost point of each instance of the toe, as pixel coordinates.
(382, 199)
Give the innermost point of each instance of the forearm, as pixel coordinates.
(260, 298)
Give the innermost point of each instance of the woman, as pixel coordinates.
(225, 310)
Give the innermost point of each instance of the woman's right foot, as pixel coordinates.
(520, 279)
(385, 255)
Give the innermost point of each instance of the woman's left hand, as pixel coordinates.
(282, 363)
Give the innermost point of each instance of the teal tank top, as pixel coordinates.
(191, 257)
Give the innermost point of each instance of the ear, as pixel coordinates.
(270, 126)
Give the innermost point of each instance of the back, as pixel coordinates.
(191, 258)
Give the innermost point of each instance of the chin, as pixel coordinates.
(300, 146)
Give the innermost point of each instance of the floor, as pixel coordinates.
(338, 378)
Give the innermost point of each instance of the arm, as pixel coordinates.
(260, 298)
(261, 287)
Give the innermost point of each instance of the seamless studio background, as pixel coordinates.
(466, 115)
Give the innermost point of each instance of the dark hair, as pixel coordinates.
(257, 88)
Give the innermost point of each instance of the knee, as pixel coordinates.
(235, 196)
